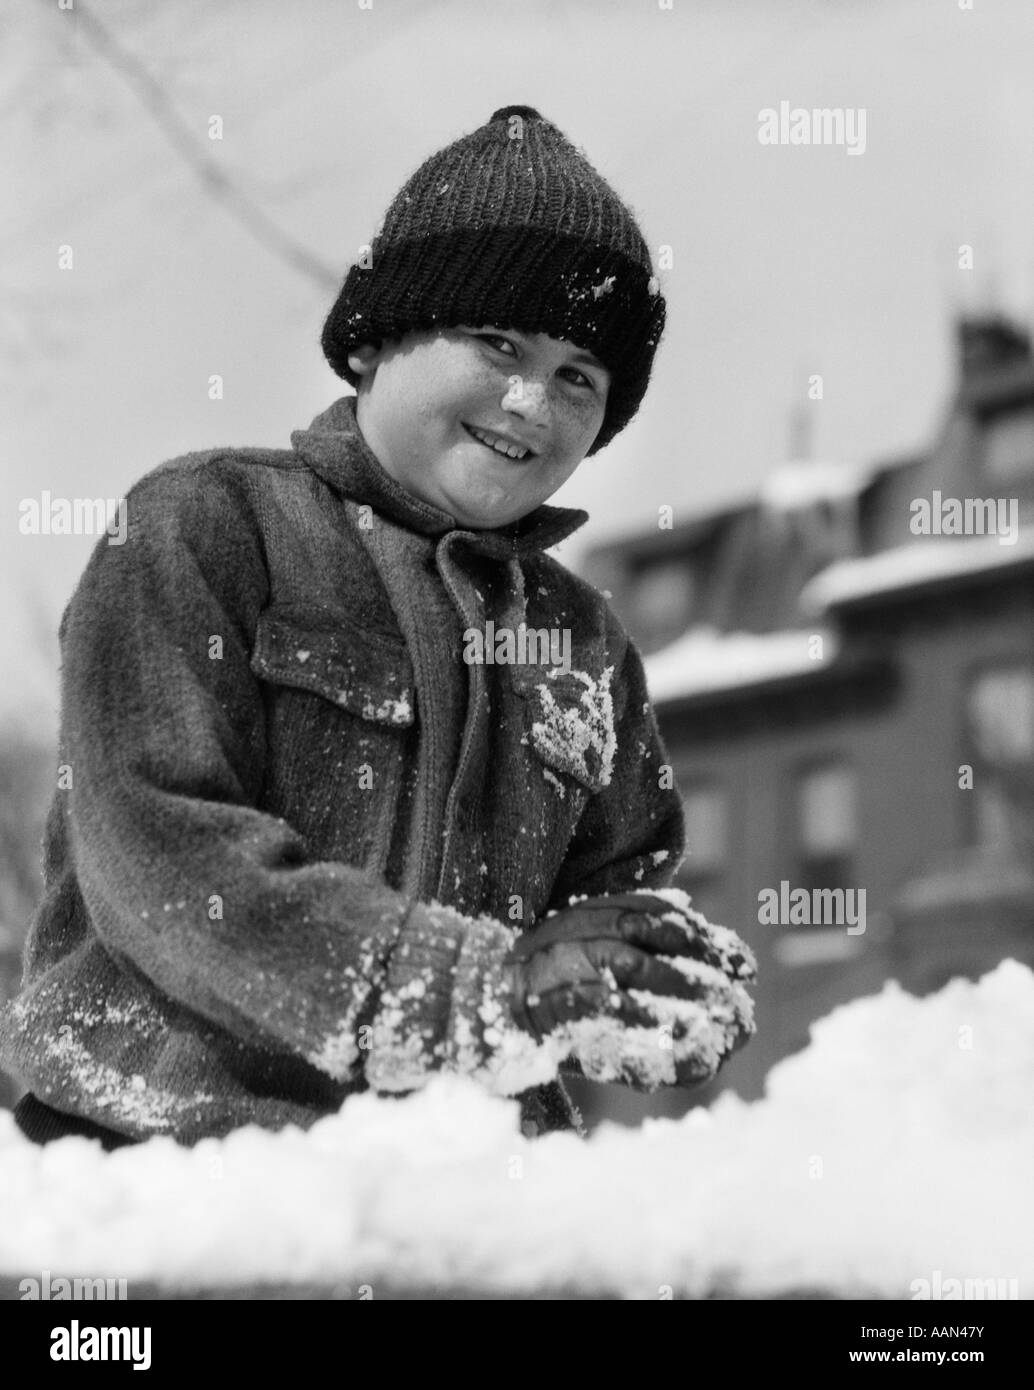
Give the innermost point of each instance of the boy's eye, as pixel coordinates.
(582, 379)
(585, 382)
(497, 341)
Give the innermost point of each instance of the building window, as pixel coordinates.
(827, 830)
(1000, 713)
(991, 817)
(1009, 443)
(663, 601)
(707, 830)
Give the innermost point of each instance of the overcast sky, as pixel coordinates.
(789, 261)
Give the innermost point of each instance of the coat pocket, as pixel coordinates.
(340, 733)
(368, 675)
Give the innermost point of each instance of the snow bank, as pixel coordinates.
(898, 1144)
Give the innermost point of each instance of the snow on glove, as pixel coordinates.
(688, 1030)
(664, 921)
(581, 964)
(632, 995)
(445, 1005)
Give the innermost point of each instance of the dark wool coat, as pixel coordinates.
(275, 758)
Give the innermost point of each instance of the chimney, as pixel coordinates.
(989, 342)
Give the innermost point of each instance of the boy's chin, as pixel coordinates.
(487, 514)
(489, 520)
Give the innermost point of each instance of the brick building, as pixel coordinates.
(846, 687)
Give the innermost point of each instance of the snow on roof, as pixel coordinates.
(704, 659)
(803, 482)
(905, 566)
(441, 1189)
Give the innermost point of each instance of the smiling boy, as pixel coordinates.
(304, 846)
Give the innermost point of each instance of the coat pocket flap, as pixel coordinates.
(571, 724)
(370, 676)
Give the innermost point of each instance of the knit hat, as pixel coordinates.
(512, 227)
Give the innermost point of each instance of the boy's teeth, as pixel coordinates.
(513, 451)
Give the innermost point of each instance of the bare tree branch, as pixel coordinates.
(214, 179)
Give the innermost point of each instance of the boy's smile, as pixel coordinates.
(499, 443)
(484, 424)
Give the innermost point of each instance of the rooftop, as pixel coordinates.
(921, 564)
(704, 660)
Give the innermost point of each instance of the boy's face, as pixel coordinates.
(432, 405)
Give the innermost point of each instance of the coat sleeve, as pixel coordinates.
(632, 833)
(215, 901)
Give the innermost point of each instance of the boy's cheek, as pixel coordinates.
(558, 477)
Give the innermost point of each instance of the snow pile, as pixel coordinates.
(705, 660)
(896, 1147)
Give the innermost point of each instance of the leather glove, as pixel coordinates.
(582, 961)
(709, 943)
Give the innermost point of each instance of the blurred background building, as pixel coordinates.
(849, 703)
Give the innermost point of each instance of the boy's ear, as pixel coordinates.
(363, 359)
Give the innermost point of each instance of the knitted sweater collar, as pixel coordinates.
(334, 448)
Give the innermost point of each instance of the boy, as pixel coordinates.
(304, 822)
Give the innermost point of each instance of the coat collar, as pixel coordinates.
(334, 448)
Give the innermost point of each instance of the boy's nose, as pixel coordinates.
(528, 398)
